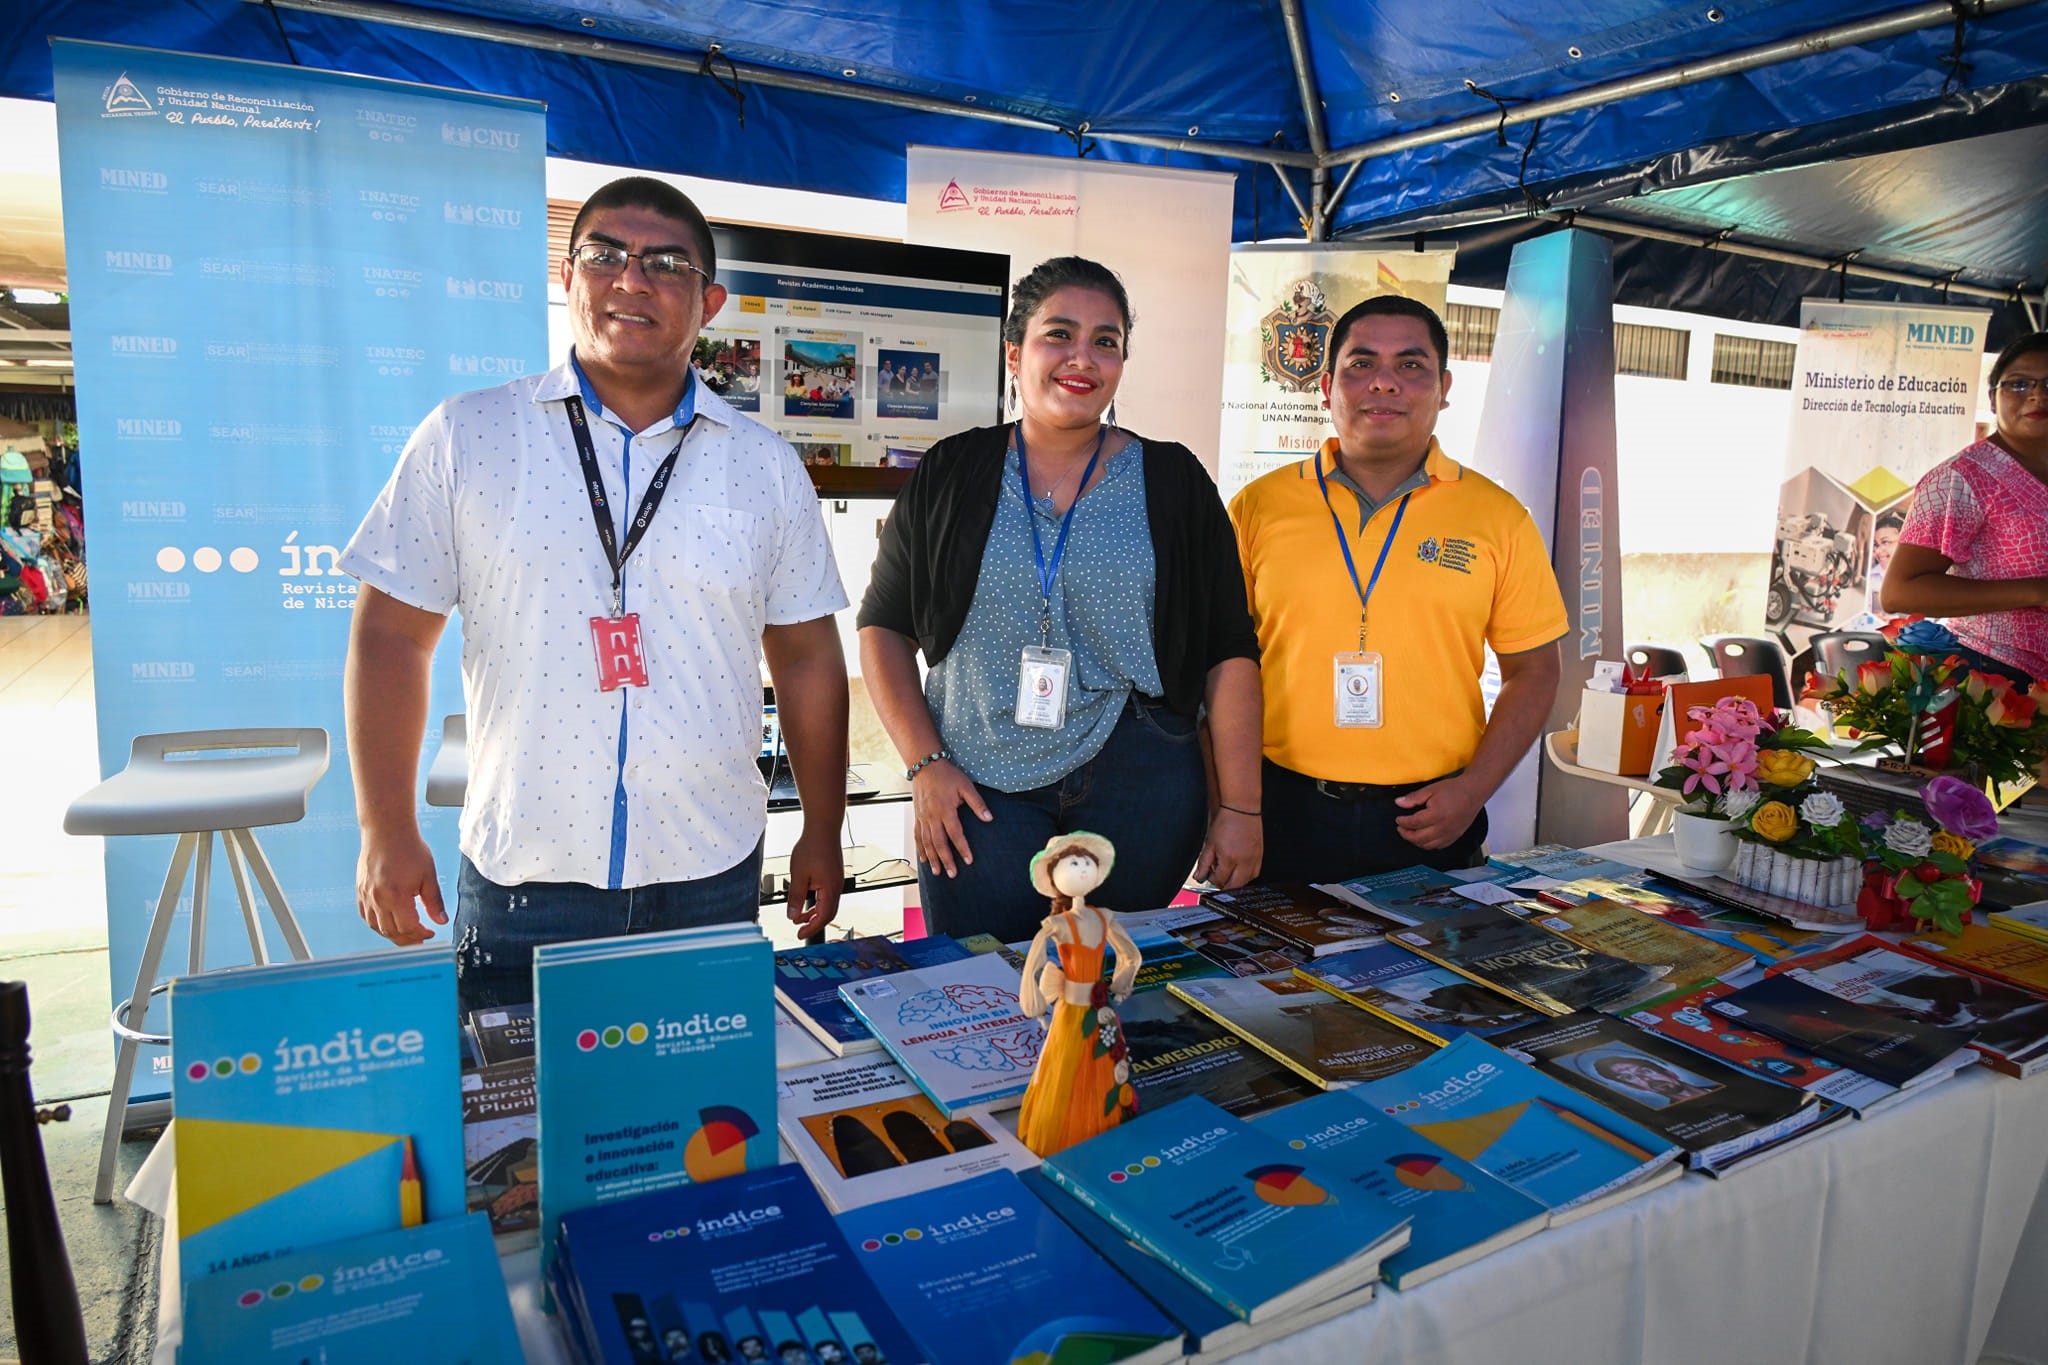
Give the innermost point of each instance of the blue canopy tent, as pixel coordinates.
(1672, 122)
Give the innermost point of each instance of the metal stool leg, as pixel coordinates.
(138, 1007)
(259, 951)
(267, 879)
(202, 883)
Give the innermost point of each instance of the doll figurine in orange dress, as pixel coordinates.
(1082, 1083)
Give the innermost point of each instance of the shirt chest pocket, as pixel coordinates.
(716, 549)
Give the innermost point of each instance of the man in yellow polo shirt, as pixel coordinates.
(1378, 573)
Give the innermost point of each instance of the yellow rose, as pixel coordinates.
(1944, 842)
(1775, 821)
(1783, 768)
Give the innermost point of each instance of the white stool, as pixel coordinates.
(195, 798)
(448, 773)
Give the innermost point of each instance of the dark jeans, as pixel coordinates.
(498, 927)
(1145, 792)
(1311, 837)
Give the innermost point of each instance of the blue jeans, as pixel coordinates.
(1146, 792)
(498, 927)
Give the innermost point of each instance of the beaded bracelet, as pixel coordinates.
(914, 769)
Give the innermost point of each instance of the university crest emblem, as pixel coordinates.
(1295, 339)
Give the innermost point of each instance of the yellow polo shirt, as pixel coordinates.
(1466, 569)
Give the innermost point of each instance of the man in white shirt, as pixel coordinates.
(624, 549)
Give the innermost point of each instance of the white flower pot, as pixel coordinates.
(1832, 882)
(1704, 844)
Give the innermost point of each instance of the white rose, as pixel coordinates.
(1822, 810)
(1737, 804)
(1123, 1071)
(1909, 837)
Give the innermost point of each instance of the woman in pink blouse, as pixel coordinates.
(1974, 551)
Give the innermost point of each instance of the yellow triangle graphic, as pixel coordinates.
(227, 1168)
(1880, 487)
(1467, 1137)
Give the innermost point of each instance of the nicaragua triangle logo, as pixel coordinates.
(125, 97)
(953, 198)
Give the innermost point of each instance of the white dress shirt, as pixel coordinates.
(487, 514)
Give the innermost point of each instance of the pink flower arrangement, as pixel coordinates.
(1719, 755)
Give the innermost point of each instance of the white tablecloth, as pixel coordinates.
(1885, 1242)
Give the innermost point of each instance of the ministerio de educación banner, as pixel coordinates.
(275, 274)
(1881, 393)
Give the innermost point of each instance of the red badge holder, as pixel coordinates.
(620, 661)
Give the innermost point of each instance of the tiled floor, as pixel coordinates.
(52, 893)
(53, 934)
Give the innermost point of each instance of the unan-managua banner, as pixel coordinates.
(1284, 300)
(275, 274)
(1881, 394)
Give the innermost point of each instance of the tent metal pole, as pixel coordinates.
(1280, 174)
(1782, 257)
(1671, 78)
(1337, 195)
(2032, 309)
(1318, 214)
(635, 54)
(1305, 76)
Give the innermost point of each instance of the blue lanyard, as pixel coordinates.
(1048, 572)
(1344, 544)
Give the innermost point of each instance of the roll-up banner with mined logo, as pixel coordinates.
(1546, 435)
(275, 273)
(1283, 301)
(1881, 394)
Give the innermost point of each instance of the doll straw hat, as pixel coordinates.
(1094, 845)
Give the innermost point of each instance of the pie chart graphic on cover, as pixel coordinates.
(719, 1148)
(1424, 1172)
(1285, 1185)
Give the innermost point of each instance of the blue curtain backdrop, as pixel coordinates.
(276, 273)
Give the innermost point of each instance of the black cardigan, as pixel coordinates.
(931, 547)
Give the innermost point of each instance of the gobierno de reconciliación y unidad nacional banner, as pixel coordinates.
(275, 273)
(1881, 393)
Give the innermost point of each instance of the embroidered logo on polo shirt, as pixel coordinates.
(1449, 553)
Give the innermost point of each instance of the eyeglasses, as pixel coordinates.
(2020, 388)
(602, 261)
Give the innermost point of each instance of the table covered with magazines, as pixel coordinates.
(1568, 1182)
(1919, 1234)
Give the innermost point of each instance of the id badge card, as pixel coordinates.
(1042, 687)
(620, 660)
(1358, 679)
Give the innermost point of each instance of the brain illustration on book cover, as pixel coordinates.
(1011, 1049)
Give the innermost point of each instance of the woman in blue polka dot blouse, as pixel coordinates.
(1076, 592)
